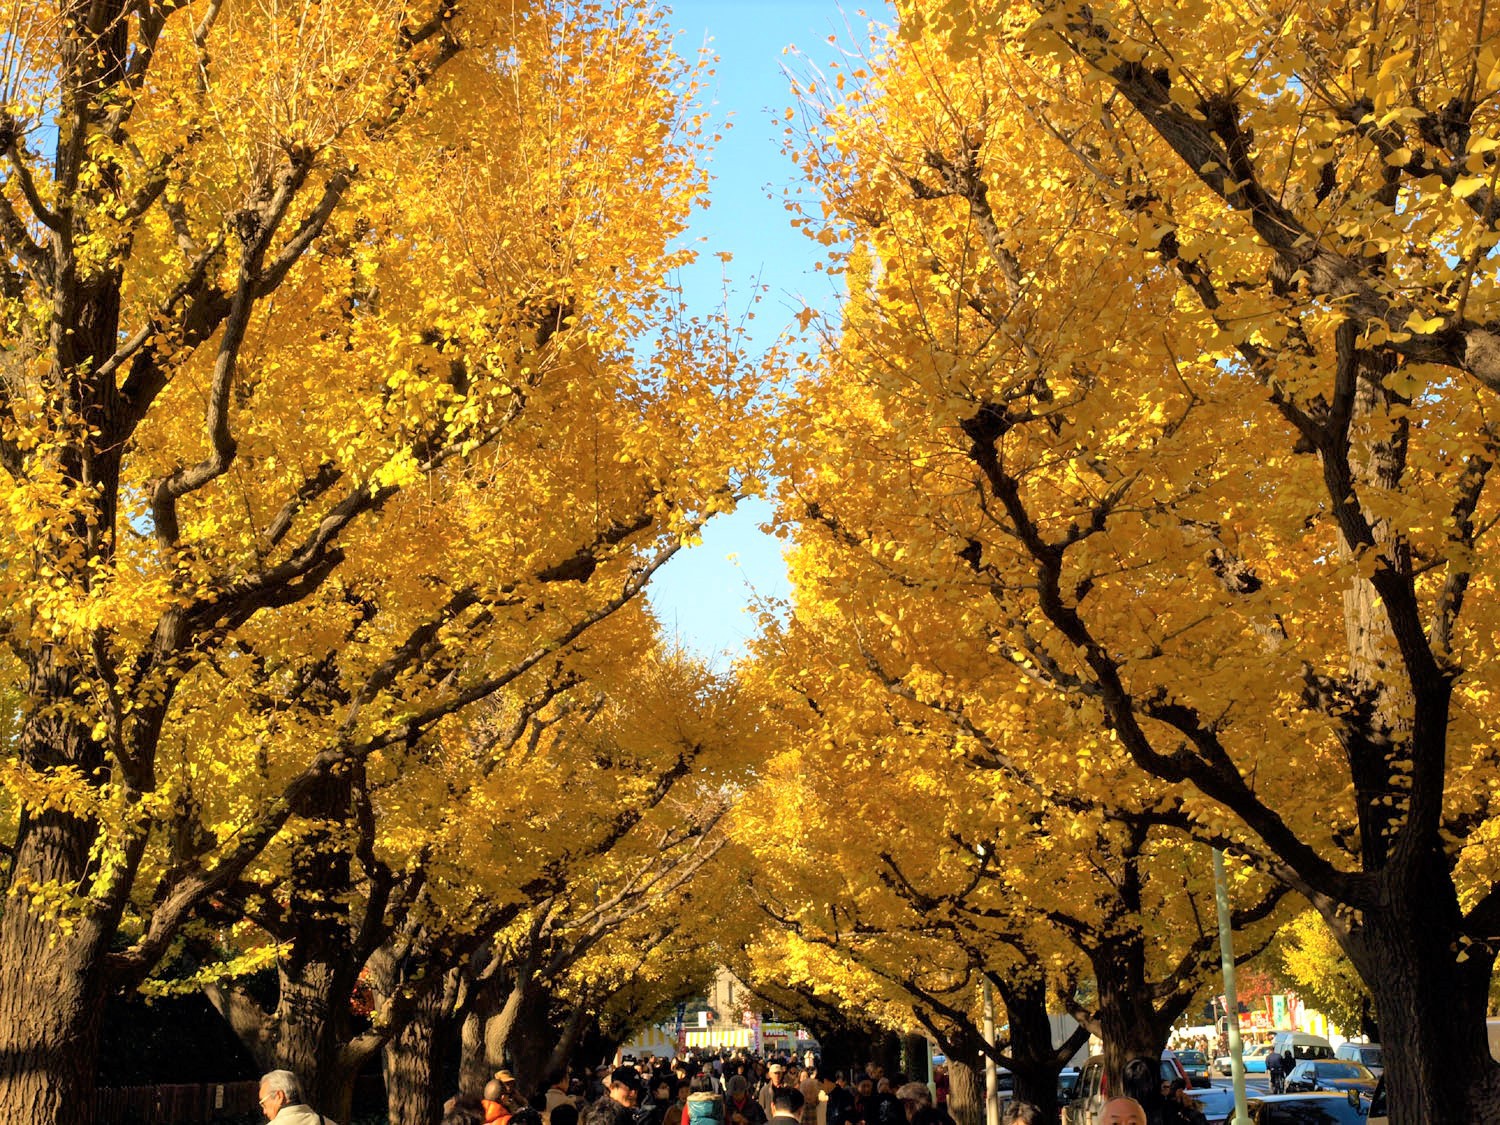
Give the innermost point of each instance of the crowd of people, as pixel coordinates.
(717, 1090)
(738, 1090)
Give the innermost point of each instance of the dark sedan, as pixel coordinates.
(1195, 1063)
(1305, 1109)
(1329, 1074)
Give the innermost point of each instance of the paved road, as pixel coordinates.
(1255, 1084)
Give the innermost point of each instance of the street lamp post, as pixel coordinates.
(991, 1076)
(1231, 993)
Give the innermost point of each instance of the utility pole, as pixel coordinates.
(1231, 992)
(991, 1078)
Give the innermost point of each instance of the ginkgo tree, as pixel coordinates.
(343, 387)
(1166, 384)
(921, 848)
(419, 862)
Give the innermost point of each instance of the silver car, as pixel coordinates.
(1367, 1054)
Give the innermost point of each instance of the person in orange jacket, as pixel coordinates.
(496, 1112)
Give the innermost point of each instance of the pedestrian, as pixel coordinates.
(864, 1102)
(916, 1103)
(1023, 1113)
(811, 1090)
(281, 1101)
(492, 1104)
(556, 1093)
(1122, 1111)
(739, 1107)
(1276, 1072)
(1188, 1109)
(677, 1112)
(654, 1110)
(839, 1098)
(886, 1108)
(1141, 1082)
(786, 1106)
(704, 1107)
(618, 1105)
(510, 1091)
(775, 1079)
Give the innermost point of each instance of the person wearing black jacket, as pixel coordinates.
(1141, 1079)
(786, 1106)
(618, 1105)
(653, 1111)
(840, 1098)
(885, 1108)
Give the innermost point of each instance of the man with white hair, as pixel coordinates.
(775, 1079)
(281, 1101)
(916, 1100)
(1122, 1111)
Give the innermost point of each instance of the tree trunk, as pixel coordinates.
(52, 980)
(965, 1083)
(562, 1050)
(887, 1052)
(473, 1061)
(410, 1065)
(308, 1042)
(915, 1058)
(1035, 1060)
(1432, 1006)
(51, 994)
(529, 1040)
(1129, 1023)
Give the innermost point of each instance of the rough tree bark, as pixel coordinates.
(1034, 1059)
(53, 980)
(410, 1065)
(965, 1080)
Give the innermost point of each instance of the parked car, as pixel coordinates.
(1194, 1063)
(1302, 1044)
(1067, 1082)
(1171, 1066)
(1092, 1089)
(1329, 1074)
(1216, 1102)
(1255, 1060)
(1366, 1054)
(1306, 1109)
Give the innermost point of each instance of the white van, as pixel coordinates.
(1302, 1045)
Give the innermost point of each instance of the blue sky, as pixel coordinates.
(701, 596)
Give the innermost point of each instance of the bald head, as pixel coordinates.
(1122, 1111)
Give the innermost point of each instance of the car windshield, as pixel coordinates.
(1194, 1057)
(1340, 1070)
(1370, 1056)
(1309, 1111)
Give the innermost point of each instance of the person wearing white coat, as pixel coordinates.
(281, 1101)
